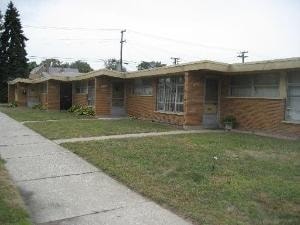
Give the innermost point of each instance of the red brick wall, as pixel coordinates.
(103, 96)
(43, 100)
(22, 97)
(80, 99)
(257, 114)
(193, 98)
(144, 107)
(53, 96)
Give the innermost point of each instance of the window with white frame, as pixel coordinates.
(81, 87)
(142, 87)
(293, 96)
(170, 94)
(261, 85)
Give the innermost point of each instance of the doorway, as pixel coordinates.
(118, 108)
(65, 96)
(211, 103)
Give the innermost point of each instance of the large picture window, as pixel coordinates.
(264, 85)
(293, 96)
(170, 93)
(142, 87)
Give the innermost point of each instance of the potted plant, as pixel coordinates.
(229, 122)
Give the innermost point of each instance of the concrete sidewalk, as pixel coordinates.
(139, 135)
(59, 188)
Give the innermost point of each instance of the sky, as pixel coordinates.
(192, 30)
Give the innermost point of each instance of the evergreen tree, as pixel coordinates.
(13, 53)
(13, 61)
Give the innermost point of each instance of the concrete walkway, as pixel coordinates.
(59, 188)
(121, 136)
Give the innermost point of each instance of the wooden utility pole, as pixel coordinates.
(175, 60)
(121, 50)
(243, 56)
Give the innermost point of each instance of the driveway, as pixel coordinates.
(59, 188)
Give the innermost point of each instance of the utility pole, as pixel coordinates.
(242, 55)
(175, 60)
(121, 50)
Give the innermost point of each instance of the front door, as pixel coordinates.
(118, 99)
(65, 96)
(211, 103)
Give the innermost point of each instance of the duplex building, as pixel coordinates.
(263, 96)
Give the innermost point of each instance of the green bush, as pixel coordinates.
(38, 106)
(230, 120)
(12, 105)
(82, 110)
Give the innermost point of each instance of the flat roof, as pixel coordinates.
(266, 65)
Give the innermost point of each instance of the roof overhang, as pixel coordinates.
(205, 65)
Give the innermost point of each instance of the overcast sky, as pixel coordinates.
(160, 29)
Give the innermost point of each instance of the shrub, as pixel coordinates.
(230, 120)
(12, 105)
(39, 106)
(82, 110)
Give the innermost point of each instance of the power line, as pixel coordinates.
(181, 41)
(71, 28)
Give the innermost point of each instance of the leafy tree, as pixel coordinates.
(13, 61)
(32, 65)
(148, 65)
(52, 62)
(83, 67)
(113, 64)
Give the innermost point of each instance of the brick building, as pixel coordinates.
(263, 96)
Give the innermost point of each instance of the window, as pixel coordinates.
(43, 87)
(293, 96)
(81, 87)
(170, 93)
(263, 85)
(142, 87)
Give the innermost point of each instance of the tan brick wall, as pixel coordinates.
(257, 114)
(193, 98)
(53, 96)
(11, 93)
(80, 99)
(103, 96)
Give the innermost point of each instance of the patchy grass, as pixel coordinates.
(90, 128)
(28, 114)
(224, 178)
(12, 210)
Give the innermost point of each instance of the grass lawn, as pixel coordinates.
(90, 128)
(214, 179)
(12, 210)
(28, 114)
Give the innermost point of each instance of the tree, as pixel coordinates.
(149, 65)
(1, 24)
(83, 67)
(32, 65)
(52, 62)
(113, 64)
(13, 61)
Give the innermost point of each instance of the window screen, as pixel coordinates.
(170, 94)
(142, 87)
(262, 85)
